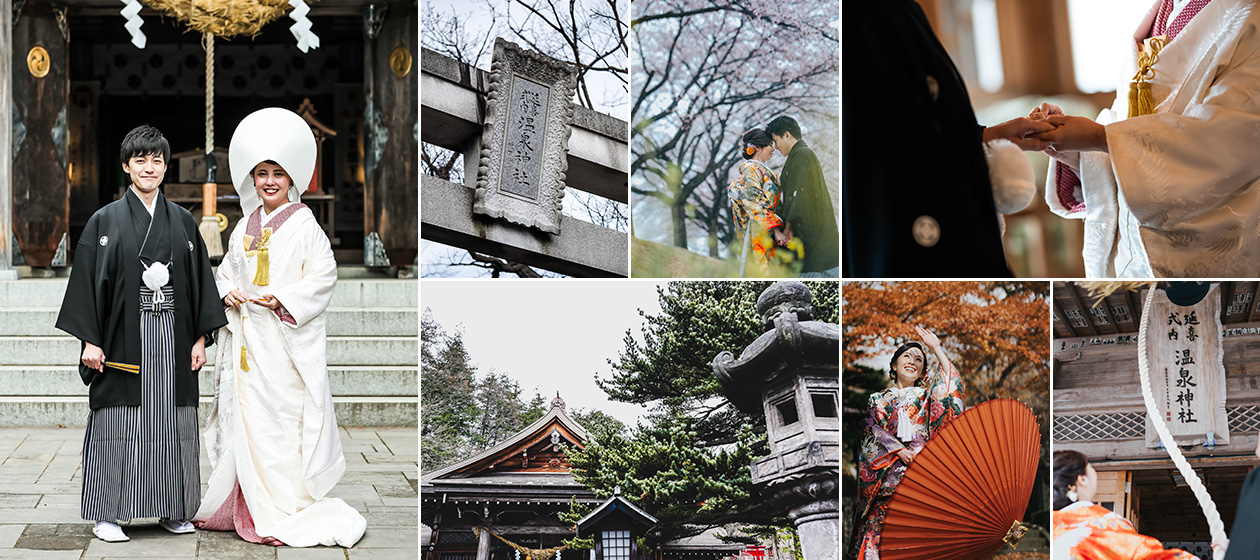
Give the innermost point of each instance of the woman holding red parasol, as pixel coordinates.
(901, 420)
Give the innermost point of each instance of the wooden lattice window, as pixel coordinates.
(616, 545)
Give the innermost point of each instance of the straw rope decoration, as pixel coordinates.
(224, 18)
(528, 553)
(1217, 527)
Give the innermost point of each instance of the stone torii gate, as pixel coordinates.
(523, 141)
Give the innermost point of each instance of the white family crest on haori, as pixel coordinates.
(272, 433)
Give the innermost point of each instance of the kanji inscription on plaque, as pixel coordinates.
(524, 140)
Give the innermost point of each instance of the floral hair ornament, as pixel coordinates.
(751, 149)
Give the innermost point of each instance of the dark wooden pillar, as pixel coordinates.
(41, 191)
(391, 193)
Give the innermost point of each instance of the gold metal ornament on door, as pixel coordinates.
(38, 62)
(400, 62)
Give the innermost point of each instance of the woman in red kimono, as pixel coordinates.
(901, 420)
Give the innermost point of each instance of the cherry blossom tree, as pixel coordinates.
(707, 71)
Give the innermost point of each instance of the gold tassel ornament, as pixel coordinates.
(262, 273)
(244, 364)
(1141, 101)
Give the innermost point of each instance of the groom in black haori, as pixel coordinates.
(143, 302)
(806, 202)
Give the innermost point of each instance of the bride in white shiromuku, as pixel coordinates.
(272, 435)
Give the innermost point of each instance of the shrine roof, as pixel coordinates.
(507, 479)
(555, 424)
(507, 488)
(612, 505)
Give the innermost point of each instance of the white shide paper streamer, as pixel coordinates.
(301, 27)
(132, 12)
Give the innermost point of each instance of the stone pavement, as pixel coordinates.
(40, 480)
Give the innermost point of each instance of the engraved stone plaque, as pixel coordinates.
(524, 140)
(527, 117)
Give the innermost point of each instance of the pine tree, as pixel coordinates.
(499, 406)
(689, 465)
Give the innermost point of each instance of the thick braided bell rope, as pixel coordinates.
(1217, 527)
(207, 43)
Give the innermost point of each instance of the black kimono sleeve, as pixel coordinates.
(82, 311)
(1244, 540)
(209, 308)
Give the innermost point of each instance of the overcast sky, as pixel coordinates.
(549, 335)
(606, 91)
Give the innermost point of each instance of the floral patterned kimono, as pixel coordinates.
(755, 195)
(1094, 532)
(898, 418)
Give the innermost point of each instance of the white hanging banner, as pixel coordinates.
(1185, 352)
(132, 13)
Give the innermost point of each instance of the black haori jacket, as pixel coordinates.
(102, 302)
(912, 149)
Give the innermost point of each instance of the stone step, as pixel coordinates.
(38, 382)
(342, 321)
(73, 411)
(342, 351)
(393, 293)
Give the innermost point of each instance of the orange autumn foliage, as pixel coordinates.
(995, 333)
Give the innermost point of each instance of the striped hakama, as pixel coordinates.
(142, 461)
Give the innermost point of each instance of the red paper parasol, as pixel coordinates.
(967, 488)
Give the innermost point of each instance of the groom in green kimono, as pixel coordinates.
(806, 203)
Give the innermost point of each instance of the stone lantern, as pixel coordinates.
(791, 376)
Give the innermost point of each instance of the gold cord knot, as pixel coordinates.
(1141, 101)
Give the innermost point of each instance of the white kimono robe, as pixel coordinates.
(272, 427)
(1178, 194)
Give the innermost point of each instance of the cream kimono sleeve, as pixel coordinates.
(310, 296)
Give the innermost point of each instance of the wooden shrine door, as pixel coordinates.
(41, 186)
(1113, 493)
(391, 80)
